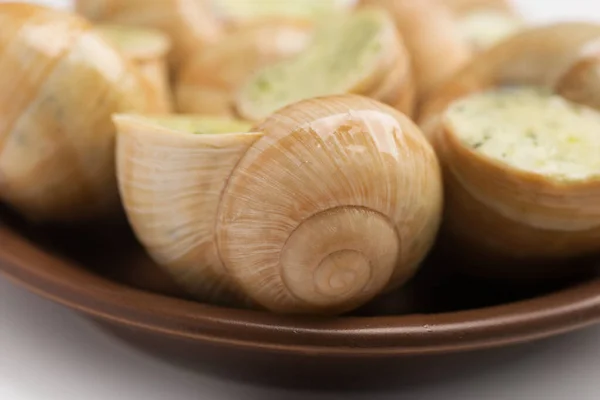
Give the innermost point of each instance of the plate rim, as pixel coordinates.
(34, 269)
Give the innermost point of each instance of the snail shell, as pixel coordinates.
(509, 218)
(358, 53)
(485, 23)
(209, 82)
(59, 86)
(537, 57)
(432, 38)
(319, 209)
(148, 50)
(236, 14)
(467, 6)
(189, 23)
(522, 180)
(581, 82)
(171, 172)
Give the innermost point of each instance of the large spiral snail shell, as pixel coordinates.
(59, 86)
(319, 209)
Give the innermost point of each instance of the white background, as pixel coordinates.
(49, 353)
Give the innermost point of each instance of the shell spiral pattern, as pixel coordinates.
(324, 208)
(320, 208)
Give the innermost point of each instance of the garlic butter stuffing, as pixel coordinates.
(531, 129)
(359, 53)
(201, 124)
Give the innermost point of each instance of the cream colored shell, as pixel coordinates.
(322, 207)
(148, 50)
(209, 81)
(59, 86)
(485, 23)
(581, 82)
(236, 14)
(189, 23)
(467, 6)
(432, 38)
(507, 216)
(170, 183)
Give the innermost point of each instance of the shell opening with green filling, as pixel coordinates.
(530, 129)
(343, 53)
(201, 124)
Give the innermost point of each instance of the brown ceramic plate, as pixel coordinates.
(103, 274)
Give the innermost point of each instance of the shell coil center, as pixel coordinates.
(340, 254)
(342, 273)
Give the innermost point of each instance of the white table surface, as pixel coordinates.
(50, 353)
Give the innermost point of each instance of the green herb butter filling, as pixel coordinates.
(343, 53)
(530, 129)
(202, 125)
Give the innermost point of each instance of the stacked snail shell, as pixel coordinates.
(148, 50)
(209, 81)
(60, 84)
(434, 42)
(486, 22)
(467, 6)
(359, 53)
(318, 209)
(581, 82)
(521, 166)
(236, 14)
(189, 23)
